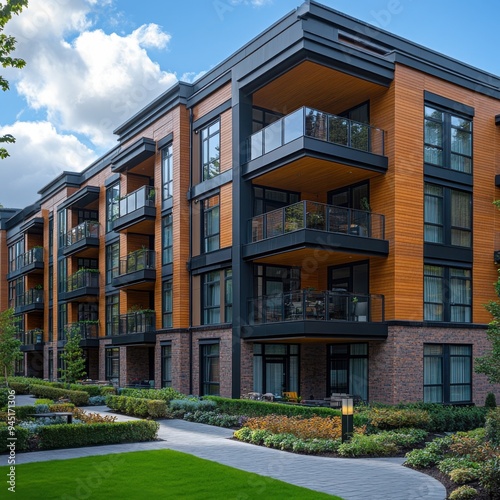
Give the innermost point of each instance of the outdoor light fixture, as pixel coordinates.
(347, 418)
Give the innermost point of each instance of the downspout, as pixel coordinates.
(190, 252)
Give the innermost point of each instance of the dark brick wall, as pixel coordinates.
(313, 376)
(180, 360)
(246, 367)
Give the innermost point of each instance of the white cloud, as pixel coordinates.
(254, 3)
(191, 76)
(39, 155)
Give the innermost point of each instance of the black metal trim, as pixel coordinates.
(81, 292)
(164, 141)
(447, 263)
(24, 270)
(140, 276)
(32, 347)
(210, 186)
(35, 306)
(89, 343)
(133, 155)
(141, 214)
(80, 245)
(33, 226)
(167, 205)
(211, 115)
(497, 120)
(112, 179)
(443, 252)
(134, 338)
(81, 198)
(437, 324)
(218, 259)
(456, 106)
(310, 238)
(497, 179)
(452, 177)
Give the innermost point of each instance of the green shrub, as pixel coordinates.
(463, 493)
(61, 407)
(376, 445)
(394, 418)
(489, 476)
(166, 394)
(403, 437)
(192, 405)
(91, 390)
(20, 388)
(21, 435)
(451, 463)
(79, 398)
(4, 396)
(107, 390)
(137, 407)
(490, 401)
(492, 427)
(464, 475)
(430, 455)
(212, 418)
(75, 435)
(23, 412)
(44, 401)
(157, 408)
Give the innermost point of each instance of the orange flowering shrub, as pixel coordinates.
(92, 418)
(304, 428)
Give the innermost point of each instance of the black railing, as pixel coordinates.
(310, 122)
(28, 258)
(87, 229)
(86, 329)
(31, 337)
(312, 215)
(306, 305)
(142, 197)
(31, 296)
(137, 261)
(83, 278)
(137, 322)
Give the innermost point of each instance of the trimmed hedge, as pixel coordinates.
(21, 388)
(166, 394)
(75, 435)
(21, 436)
(138, 407)
(79, 398)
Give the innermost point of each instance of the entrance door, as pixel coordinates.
(275, 376)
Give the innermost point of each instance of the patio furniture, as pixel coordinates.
(292, 397)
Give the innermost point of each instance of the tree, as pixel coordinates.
(8, 45)
(489, 364)
(10, 346)
(72, 357)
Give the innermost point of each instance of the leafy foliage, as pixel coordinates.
(138, 407)
(79, 398)
(7, 46)
(72, 357)
(10, 346)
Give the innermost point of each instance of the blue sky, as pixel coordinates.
(91, 64)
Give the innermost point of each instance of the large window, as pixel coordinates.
(228, 296)
(167, 171)
(211, 224)
(210, 150)
(348, 365)
(448, 216)
(209, 369)
(276, 368)
(112, 364)
(267, 199)
(166, 365)
(167, 304)
(112, 261)
(112, 314)
(448, 140)
(15, 252)
(211, 298)
(167, 239)
(62, 321)
(447, 294)
(447, 373)
(112, 205)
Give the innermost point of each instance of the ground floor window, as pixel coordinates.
(276, 368)
(112, 364)
(51, 365)
(209, 369)
(19, 367)
(61, 363)
(447, 373)
(348, 369)
(167, 304)
(166, 365)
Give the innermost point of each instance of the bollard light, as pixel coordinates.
(347, 418)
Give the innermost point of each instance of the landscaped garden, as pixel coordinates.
(459, 445)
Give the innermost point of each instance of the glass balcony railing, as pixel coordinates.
(306, 305)
(137, 322)
(83, 278)
(142, 197)
(28, 258)
(87, 329)
(87, 229)
(318, 216)
(137, 261)
(31, 337)
(31, 296)
(326, 127)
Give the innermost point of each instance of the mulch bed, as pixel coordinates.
(450, 485)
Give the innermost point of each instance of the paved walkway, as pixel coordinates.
(351, 479)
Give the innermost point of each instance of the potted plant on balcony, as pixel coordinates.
(316, 220)
(294, 217)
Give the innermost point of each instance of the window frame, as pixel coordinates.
(167, 300)
(112, 257)
(210, 224)
(167, 171)
(207, 386)
(112, 354)
(112, 315)
(167, 228)
(166, 364)
(210, 312)
(206, 138)
(112, 205)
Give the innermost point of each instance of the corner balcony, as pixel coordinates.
(32, 340)
(309, 132)
(137, 327)
(85, 282)
(138, 268)
(30, 261)
(137, 210)
(82, 239)
(312, 224)
(31, 300)
(316, 314)
(88, 331)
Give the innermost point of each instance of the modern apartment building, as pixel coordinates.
(313, 215)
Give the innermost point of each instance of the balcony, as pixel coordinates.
(136, 268)
(27, 262)
(82, 239)
(88, 331)
(319, 314)
(297, 226)
(137, 327)
(31, 300)
(137, 209)
(320, 134)
(32, 340)
(83, 283)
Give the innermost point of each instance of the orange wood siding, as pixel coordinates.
(226, 141)
(212, 101)
(226, 217)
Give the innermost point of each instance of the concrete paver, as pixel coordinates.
(351, 479)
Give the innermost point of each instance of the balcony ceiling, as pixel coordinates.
(310, 175)
(310, 84)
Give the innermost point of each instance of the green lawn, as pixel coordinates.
(146, 474)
